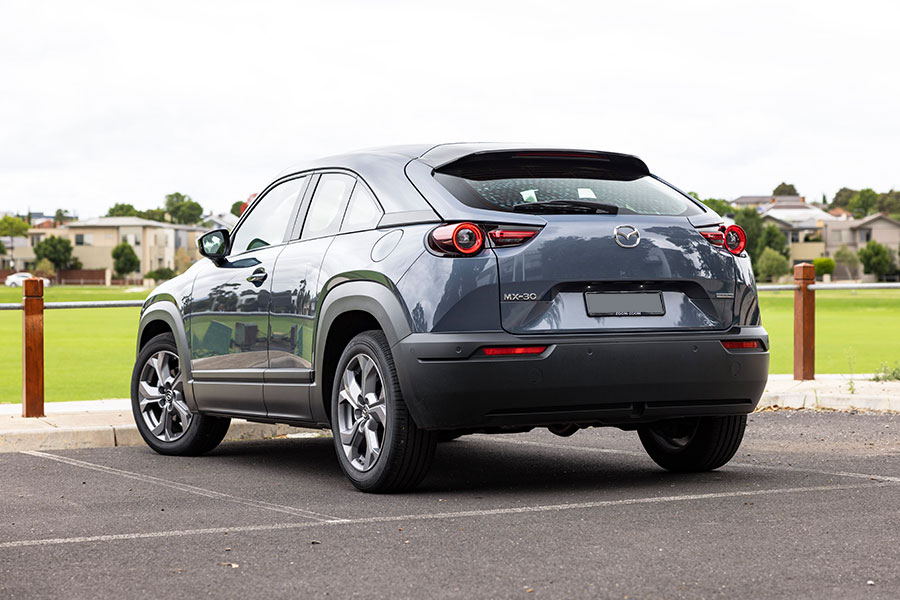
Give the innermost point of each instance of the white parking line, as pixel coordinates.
(439, 516)
(190, 489)
(870, 476)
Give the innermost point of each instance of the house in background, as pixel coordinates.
(93, 240)
(762, 201)
(219, 221)
(802, 225)
(856, 233)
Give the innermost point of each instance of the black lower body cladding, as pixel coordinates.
(451, 384)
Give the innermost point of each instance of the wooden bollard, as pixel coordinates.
(33, 348)
(804, 322)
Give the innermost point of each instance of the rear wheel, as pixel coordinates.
(160, 411)
(694, 444)
(379, 446)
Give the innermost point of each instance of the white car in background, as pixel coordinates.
(16, 279)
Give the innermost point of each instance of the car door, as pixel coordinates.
(229, 307)
(295, 290)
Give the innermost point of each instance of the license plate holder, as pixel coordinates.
(624, 304)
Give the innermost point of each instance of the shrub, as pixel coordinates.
(44, 268)
(772, 264)
(877, 258)
(824, 266)
(160, 274)
(125, 261)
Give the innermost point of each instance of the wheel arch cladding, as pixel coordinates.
(164, 317)
(349, 309)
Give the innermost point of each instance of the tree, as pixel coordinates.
(182, 260)
(236, 208)
(12, 227)
(773, 238)
(824, 266)
(889, 203)
(2, 248)
(154, 214)
(749, 220)
(771, 264)
(44, 268)
(722, 207)
(876, 258)
(863, 203)
(785, 189)
(55, 249)
(183, 209)
(122, 210)
(842, 197)
(62, 216)
(125, 261)
(847, 260)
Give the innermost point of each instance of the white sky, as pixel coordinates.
(128, 101)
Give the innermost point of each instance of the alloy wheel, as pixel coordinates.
(362, 412)
(161, 396)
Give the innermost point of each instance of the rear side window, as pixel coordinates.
(561, 183)
(267, 222)
(363, 212)
(328, 204)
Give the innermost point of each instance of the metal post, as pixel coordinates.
(804, 322)
(33, 348)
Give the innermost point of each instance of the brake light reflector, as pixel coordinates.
(735, 239)
(739, 345)
(511, 237)
(463, 239)
(510, 350)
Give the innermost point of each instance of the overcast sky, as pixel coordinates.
(128, 101)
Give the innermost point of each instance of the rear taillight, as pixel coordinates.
(513, 350)
(716, 238)
(458, 239)
(741, 345)
(468, 239)
(735, 239)
(731, 238)
(507, 236)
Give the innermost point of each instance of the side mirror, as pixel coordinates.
(214, 244)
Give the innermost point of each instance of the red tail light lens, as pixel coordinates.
(503, 237)
(735, 239)
(741, 345)
(716, 238)
(512, 350)
(462, 239)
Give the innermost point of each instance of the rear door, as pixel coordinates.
(617, 251)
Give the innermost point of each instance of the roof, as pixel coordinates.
(127, 222)
(799, 215)
(875, 217)
(766, 199)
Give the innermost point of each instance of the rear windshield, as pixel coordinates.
(566, 184)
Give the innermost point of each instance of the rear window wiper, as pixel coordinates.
(567, 206)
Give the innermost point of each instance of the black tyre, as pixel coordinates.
(696, 444)
(378, 445)
(160, 411)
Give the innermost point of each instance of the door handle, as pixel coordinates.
(258, 276)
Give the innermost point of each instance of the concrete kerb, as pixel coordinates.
(108, 423)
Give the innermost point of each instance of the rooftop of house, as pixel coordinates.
(748, 200)
(129, 222)
(798, 215)
(858, 223)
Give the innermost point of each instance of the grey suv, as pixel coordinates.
(405, 295)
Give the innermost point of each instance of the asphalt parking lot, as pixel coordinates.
(807, 509)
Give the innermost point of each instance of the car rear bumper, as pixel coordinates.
(623, 380)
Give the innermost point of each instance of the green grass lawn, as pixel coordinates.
(89, 352)
(856, 330)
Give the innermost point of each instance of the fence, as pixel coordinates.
(33, 305)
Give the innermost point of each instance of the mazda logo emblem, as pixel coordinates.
(627, 236)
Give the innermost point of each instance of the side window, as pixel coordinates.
(363, 211)
(267, 222)
(328, 203)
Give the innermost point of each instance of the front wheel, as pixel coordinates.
(379, 446)
(693, 444)
(160, 411)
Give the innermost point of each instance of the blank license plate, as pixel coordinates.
(624, 304)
